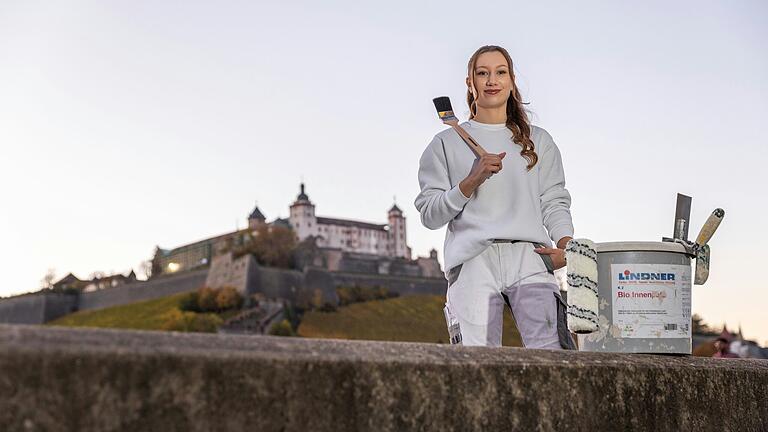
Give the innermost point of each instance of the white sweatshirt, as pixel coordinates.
(512, 204)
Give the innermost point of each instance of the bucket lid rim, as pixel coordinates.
(640, 246)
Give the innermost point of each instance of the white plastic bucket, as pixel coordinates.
(644, 293)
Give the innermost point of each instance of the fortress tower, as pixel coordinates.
(256, 218)
(302, 218)
(397, 238)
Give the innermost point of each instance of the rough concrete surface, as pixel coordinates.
(60, 379)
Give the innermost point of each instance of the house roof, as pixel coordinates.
(256, 214)
(67, 279)
(282, 222)
(351, 223)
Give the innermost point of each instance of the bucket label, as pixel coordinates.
(652, 300)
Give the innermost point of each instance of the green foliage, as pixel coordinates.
(283, 328)
(271, 246)
(228, 298)
(417, 318)
(189, 303)
(158, 314)
(358, 294)
(211, 300)
(293, 314)
(143, 315)
(176, 320)
(206, 299)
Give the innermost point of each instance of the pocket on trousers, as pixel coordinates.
(546, 259)
(566, 341)
(453, 274)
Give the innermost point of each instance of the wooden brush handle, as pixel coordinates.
(710, 226)
(476, 148)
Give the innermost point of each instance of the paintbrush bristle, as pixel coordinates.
(444, 109)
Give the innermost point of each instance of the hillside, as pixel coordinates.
(409, 318)
(144, 315)
(417, 318)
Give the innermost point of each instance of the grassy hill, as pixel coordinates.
(417, 318)
(409, 318)
(144, 315)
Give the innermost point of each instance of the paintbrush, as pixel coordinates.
(445, 112)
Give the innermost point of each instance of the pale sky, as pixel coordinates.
(125, 125)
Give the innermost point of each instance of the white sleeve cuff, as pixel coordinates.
(561, 231)
(456, 198)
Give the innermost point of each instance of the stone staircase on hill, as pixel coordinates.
(256, 320)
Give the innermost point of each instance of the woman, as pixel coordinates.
(501, 209)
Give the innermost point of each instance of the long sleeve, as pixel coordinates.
(555, 198)
(437, 202)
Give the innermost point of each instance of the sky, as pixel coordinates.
(127, 125)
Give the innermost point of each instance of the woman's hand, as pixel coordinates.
(482, 169)
(557, 256)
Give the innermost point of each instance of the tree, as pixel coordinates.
(698, 325)
(272, 246)
(145, 268)
(47, 281)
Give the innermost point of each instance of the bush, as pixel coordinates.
(189, 303)
(327, 307)
(359, 294)
(293, 314)
(206, 299)
(283, 328)
(228, 298)
(211, 300)
(177, 320)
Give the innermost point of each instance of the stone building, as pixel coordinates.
(349, 235)
(343, 244)
(97, 282)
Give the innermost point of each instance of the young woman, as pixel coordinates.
(501, 210)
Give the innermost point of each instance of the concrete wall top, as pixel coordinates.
(92, 379)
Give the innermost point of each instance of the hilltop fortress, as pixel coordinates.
(329, 243)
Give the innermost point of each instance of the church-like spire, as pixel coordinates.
(256, 214)
(395, 209)
(302, 196)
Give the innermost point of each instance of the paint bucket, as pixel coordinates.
(644, 293)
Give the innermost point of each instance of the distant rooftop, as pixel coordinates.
(351, 223)
(256, 214)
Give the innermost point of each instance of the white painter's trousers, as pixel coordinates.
(475, 300)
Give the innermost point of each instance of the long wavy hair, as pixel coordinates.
(517, 119)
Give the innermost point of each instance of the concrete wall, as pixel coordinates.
(275, 282)
(311, 288)
(36, 308)
(139, 291)
(402, 285)
(228, 271)
(59, 379)
(314, 286)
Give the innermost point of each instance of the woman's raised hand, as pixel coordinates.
(482, 169)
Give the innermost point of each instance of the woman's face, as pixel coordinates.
(492, 80)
